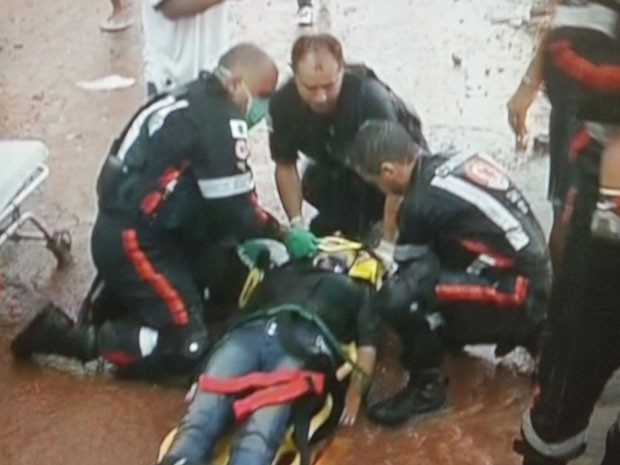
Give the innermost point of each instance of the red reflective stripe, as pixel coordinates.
(603, 78)
(153, 200)
(170, 175)
(483, 294)
(578, 143)
(501, 262)
(118, 358)
(158, 281)
(270, 388)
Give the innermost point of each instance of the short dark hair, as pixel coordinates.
(312, 42)
(379, 141)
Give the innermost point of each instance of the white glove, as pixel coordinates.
(385, 252)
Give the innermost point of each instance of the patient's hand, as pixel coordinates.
(352, 403)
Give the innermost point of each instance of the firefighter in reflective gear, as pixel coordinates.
(318, 113)
(284, 351)
(582, 348)
(472, 262)
(177, 177)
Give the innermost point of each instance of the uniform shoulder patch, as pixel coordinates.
(486, 174)
(238, 128)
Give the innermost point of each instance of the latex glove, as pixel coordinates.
(301, 243)
(385, 252)
(518, 106)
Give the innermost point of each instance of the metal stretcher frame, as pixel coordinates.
(13, 218)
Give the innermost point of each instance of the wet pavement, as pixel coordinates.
(457, 60)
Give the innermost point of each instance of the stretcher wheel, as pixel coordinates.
(60, 245)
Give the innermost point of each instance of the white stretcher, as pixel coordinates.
(22, 171)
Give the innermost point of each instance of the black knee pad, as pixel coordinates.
(410, 293)
(178, 349)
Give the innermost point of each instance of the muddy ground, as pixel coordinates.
(457, 60)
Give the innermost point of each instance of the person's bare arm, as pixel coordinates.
(177, 9)
(289, 189)
(522, 99)
(360, 381)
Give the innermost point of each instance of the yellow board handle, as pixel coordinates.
(254, 278)
(337, 244)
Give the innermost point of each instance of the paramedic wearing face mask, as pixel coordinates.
(177, 177)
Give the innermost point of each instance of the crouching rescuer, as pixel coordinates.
(473, 266)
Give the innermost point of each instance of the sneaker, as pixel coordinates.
(425, 393)
(304, 16)
(606, 221)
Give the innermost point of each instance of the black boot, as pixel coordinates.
(612, 446)
(53, 332)
(425, 392)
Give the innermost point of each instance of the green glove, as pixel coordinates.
(301, 243)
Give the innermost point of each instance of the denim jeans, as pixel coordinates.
(254, 346)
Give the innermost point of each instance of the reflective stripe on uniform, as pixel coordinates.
(160, 284)
(134, 130)
(156, 121)
(488, 295)
(560, 450)
(229, 186)
(592, 16)
(488, 205)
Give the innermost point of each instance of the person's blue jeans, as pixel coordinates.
(254, 346)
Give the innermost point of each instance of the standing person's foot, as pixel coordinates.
(118, 21)
(304, 16)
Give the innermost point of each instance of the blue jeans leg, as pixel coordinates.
(259, 438)
(210, 414)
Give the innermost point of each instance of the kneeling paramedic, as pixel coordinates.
(582, 349)
(274, 363)
(176, 178)
(472, 262)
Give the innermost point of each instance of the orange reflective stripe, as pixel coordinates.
(158, 281)
(602, 78)
(483, 294)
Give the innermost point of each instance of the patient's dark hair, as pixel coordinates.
(313, 42)
(379, 141)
